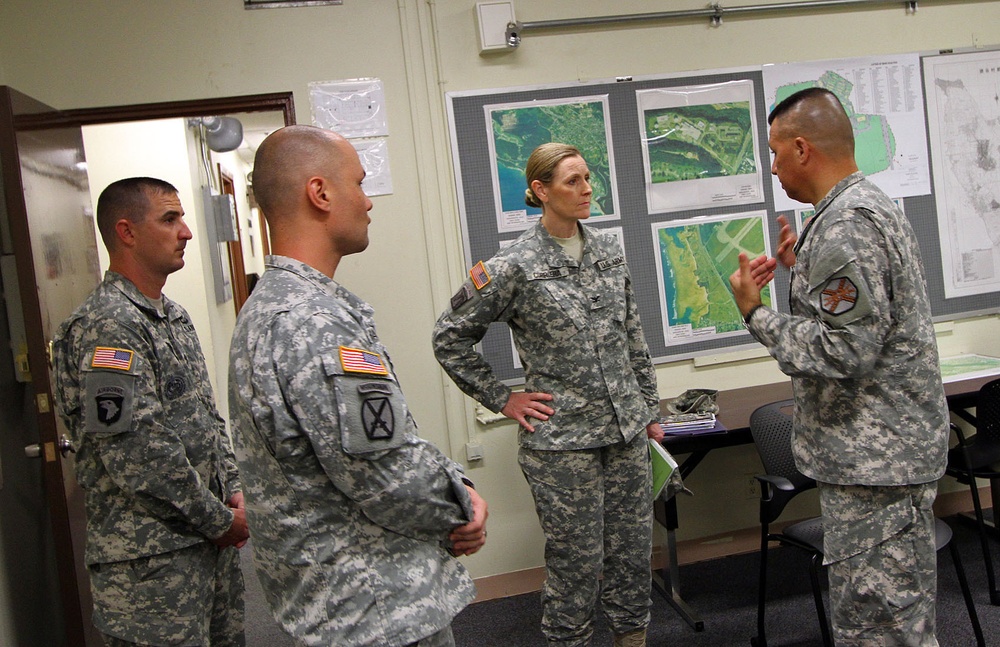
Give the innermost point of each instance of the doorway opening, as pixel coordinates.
(53, 266)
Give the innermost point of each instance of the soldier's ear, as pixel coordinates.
(318, 193)
(125, 232)
(540, 190)
(803, 149)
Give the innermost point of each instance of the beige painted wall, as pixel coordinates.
(87, 53)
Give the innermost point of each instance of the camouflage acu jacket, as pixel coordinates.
(153, 455)
(348, 508)
(859, 345)
(577, 331)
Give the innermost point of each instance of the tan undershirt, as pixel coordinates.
(573, 246)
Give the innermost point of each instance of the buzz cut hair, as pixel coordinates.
(129, 199)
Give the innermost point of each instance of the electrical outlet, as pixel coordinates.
(473, 452)
(751, 486)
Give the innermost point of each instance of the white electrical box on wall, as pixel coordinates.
(493, 18)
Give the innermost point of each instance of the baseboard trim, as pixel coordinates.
(746, 540)
(507, 584)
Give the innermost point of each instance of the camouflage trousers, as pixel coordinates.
(595, 509)
(882, 564)
(191, 596)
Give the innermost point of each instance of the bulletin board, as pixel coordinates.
(681, 169)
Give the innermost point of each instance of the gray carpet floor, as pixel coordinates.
(722, 591)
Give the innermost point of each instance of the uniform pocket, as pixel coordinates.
(373, 414)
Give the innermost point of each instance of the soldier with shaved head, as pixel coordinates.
(871, 422)
(356, 520)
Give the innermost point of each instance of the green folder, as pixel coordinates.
(663, 466)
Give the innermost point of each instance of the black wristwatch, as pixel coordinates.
(749, 315)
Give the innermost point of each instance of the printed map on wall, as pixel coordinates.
(699, 146)
(963, 113)
(516, 129)
(695, 258)
(882, 96)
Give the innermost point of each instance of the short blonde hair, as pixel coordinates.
(542, 167)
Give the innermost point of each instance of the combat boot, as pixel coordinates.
(635, 638)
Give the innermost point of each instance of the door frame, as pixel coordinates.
(274, 102)
(43, 117)
(237, 268)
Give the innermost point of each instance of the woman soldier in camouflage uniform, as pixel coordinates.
(589, 402)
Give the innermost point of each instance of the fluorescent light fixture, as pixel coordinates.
(274, 4)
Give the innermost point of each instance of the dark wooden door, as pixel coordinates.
(49, 268)
(237, 268)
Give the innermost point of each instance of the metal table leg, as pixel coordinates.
(667, 579)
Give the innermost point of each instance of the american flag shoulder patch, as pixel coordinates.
(355, 360)
(116, 358)
(480, 277)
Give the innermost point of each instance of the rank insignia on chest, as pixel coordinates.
(355, 360)
(839, 296)
(480, 277)
(116, 358)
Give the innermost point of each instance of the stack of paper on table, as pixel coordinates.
(686, 423)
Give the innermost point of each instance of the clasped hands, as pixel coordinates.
(238, 532)
(468, 539)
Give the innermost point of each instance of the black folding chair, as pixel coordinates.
(978, 456)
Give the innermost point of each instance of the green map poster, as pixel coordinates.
(699, 146)
(516, 129)
(695, 258)
(874, 140)
(882, 97)
(692, 142)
